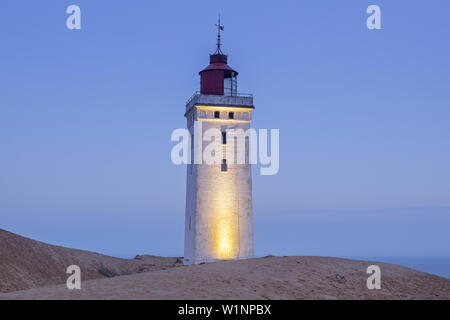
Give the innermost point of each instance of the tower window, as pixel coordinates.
(224, 138)
(216, 114)
(224, 166)
(231, 115)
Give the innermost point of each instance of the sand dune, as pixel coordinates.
(26, 263)
(261, 278)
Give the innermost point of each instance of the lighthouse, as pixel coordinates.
(219, 210)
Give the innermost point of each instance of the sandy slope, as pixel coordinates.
(25, 263)
(263, 278)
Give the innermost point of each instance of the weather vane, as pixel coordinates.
(219, 28)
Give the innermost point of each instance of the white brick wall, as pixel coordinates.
(218, 204)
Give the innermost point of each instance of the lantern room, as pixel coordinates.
(218, 78)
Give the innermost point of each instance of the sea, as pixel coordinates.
(435, 265)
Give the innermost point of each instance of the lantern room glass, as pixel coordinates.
(230, 84)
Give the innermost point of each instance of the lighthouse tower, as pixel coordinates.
(219, 213)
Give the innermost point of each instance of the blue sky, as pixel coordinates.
(86, 117)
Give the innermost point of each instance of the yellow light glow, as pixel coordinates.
(222, 108)
(227, 109)
(220, 199)
(224, 120)
(225, 244)
(223, 221)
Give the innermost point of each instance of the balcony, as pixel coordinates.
(238, 100)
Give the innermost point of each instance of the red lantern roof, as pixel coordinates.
(218, 62)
